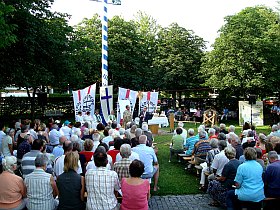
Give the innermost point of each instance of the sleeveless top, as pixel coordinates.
(69, 187)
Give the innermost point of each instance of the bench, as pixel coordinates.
(185, 157)
(194, 122)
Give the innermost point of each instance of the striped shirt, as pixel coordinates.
(28, 162)
(101, 184)
(39, 191)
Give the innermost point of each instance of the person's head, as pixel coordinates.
(222, 136)
(230, 152)
(67, 146)
(100, 127)
(127, 134)
(9, 163)
(71, 161)
(191, 132)
(96, 136)
(217, 129)
(259, 153)
(231, 128)
(77, 125)
(24, 129)
(262, 138)
(114, 125)
(41, 161)
(179, 131)
(274, 128)
(133, 128)
(250, 153)
(268, 147)
(211, 131)
(37, 144)
(121, 131)
(202, 134)
(62, 139)
(10, 131)
(80, 113)
(88, 145)
(100, 157)
(76, 147)
(181, 124)
(274, 140)
(222, 126)
(136, 168)
(201, 128)
(145, 127)
(250, 134)
(127, 107)
(214, 143)
(272, 156)
(105, 146)
(246, 126)
(222, 145)
(117, 143)
(142, 139)
(74, 138)
(233, 139)
(138, 132)
(125, 150)
(145, 109)
(106, 132)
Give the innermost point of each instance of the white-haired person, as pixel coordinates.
(184, 133)
(212, 133)
(223, 128)
(190, 142)
(122, 166)
(217, 189)
(146, 132)
(231, 129)
(201, 128)
(96, 140)
(12, 189)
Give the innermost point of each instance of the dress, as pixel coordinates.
(135, 196)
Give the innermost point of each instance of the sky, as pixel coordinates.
(204, 17)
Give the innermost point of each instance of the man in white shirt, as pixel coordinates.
(66, 130)
(87, 118)
(79, 117)
(54, 136)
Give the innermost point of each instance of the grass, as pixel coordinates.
(173, 179)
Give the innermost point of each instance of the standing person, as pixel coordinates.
(7, 142)
(12, 189)
(136, 191)
(112, 116)
(71, 186)
(41, 187)
(79, 117)
(148, 157)
(2, 134)
(127, 115)
(143, 116)
(102, 184)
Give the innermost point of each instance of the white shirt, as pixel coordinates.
(54, 137)
(107, 139)
(66, 131)
(59, 165)
(133, 156)
(6, 140)
(2, 134)
(220, 160)
(79, 118)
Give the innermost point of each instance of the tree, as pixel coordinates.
(246, 56)
(40, 55)
(179, 53)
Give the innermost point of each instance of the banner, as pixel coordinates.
(84, 100)
(150, 100)
(245, 113)
(125, 94)
(106, 101)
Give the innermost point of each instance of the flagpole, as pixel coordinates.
(105, 44)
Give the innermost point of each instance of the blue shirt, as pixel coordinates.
(271, 177)
(249, 177)
(147, 156)
(58, 151)
(190, 142)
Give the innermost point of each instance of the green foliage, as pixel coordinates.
(246, 56)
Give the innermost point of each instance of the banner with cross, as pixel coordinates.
(106, 101)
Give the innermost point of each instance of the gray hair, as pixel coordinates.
(250, 153)
(214, 143)
(230, 152)
(127, 134)
(274, 128)
(231, 128)
(41, 160)
(222, 144)
(202, 134)
(222, 126)
(145, 127)
(181, 124)
(201, 128)
(191, 131)
(96, 137)
(74, 138)
(55, 126)
(234, 137)
(125, 150)
(211, 131)
(121, 131)
(272, 155)
(8, 162)
(138, 132)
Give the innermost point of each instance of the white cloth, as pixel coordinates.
(159, 121)
(66, 131)
(133, 156)
(220, 160)
(79, 118)
(54, 137)
(59, 165)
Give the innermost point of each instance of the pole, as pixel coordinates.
(251, 113)
(105, 44)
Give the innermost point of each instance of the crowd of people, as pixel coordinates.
(236, 169)
(71, 166)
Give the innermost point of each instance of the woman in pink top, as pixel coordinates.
(12, 189)
(136, 191)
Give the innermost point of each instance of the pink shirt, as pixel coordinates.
(135, 196)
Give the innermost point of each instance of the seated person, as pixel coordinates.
(201, 148)
(177, 144)
(190, 142)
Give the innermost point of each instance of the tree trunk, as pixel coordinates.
(180, 98)
(32, 102)
(174, 100)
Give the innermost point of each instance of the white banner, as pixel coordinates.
(126, 94)
(84, 100)
(150, 100)
(245, 113)
(106, 100)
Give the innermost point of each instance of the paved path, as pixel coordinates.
(172, 202)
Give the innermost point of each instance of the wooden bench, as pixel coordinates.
(185, 157)
(194, 122)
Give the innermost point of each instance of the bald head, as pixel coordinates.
(62, 139)
(142, 139)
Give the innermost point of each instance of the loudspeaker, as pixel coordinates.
(252, 99)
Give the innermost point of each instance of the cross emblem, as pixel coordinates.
(107, 98)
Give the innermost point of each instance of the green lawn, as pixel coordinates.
(174, 180)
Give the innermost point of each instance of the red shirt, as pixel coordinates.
(113, 153)
(87, 154)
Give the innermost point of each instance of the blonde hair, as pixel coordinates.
(88, 145)
(71, 161)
